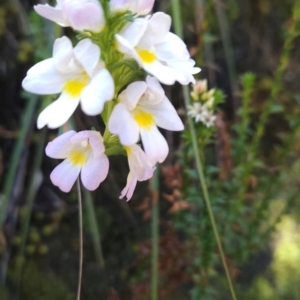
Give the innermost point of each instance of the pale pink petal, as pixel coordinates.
(61, 146)
(96, 142)
(51, 13)
(99, 90)
(80, 137)
(129, 188)
(85, 15)
(155, 145)
(94, 172)
(122, 123)
(58, 112)
(65, 175)
(143, 7)
(165, 115)
(139, 163)
(88, 54)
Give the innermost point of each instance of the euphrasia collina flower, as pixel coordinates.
(158, 51)
(139, 7)
(142, 107)
(78, 74)
(106, 73)
(82, 152)
(140, 169)
(78, 14)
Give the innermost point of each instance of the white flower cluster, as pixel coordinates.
(202, 108)
(103, 73)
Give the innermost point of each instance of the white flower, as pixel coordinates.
(142, 107)
(83, 152)
(197, 111)
(139, 7)
(209, 119)
(78, 74)
(78, 14)
(201, 114)
(140, 169)
(160, 52)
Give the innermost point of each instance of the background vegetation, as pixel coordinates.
(250, 51)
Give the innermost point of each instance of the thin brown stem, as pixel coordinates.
(80, 240)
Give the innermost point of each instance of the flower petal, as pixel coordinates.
(43, 79)
(154, 94)
(85, 15)
(61, 146)
(118, 6)
(165, 115)
(154, 144)
(51, 13)
(65, 175)
(158, 27)
(139, 164)
(122, 123)
(131, 96)
(143, 7)
(172, 48)
(96, 142)
(62, 53)
(163, 73)
(100, 90)
(88, 54)
(80, 137)
(125, 47)
(134, 31)
(129, 188)
(58, 112)
(186, 68)
(94, 172)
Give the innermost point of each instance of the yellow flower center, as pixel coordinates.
(143, 118)
(77, 158)
(146, 56)
(75, 86)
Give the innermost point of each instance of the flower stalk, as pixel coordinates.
(80, 239)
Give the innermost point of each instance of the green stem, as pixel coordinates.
(227, 44)
(155, 235)
(16, 156)
(90, 208)
(178, 31)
